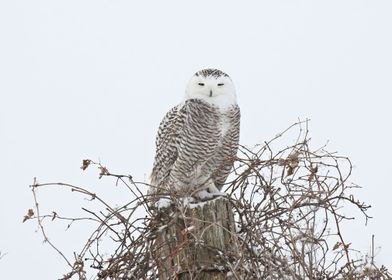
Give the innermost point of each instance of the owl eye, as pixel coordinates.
(201, 84)
(220, 84)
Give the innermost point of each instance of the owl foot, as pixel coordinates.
(204, 195)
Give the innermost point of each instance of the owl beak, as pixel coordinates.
(210, 92)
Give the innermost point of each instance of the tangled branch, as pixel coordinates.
(288, 208)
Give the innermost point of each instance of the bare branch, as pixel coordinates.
(288, 206)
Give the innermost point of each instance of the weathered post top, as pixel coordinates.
(197, 243)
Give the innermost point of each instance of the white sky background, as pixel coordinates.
(92, 79)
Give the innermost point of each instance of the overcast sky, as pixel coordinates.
(92, 79)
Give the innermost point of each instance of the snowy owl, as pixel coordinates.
(197, 140)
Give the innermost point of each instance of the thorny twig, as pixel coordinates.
(288, 209)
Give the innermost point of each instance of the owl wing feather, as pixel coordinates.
(186, 140)
(196, 145)
(190, 147)
(166, 148)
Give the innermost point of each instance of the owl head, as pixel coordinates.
(212, 86)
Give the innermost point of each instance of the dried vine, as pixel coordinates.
(288, 210)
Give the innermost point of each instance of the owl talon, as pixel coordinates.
(204, 195)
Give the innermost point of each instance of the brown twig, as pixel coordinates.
(288, 209)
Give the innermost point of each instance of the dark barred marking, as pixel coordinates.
(191, 146)
(211, 72)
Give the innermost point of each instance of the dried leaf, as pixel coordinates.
(336, 246)
(85, 164)
(29, 215)
(104, 171)
(290, 171)
(292, 162)
(294, 156)
(313, 172)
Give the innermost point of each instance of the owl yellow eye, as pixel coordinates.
(220, 84)
(201, 84)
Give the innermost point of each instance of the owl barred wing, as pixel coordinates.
(186, 140)
(197, 143)
(229, 146)
(168, 128)
(166, 145)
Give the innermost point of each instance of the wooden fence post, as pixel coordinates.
(196, 243)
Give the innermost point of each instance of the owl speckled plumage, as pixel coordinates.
(197, 140)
